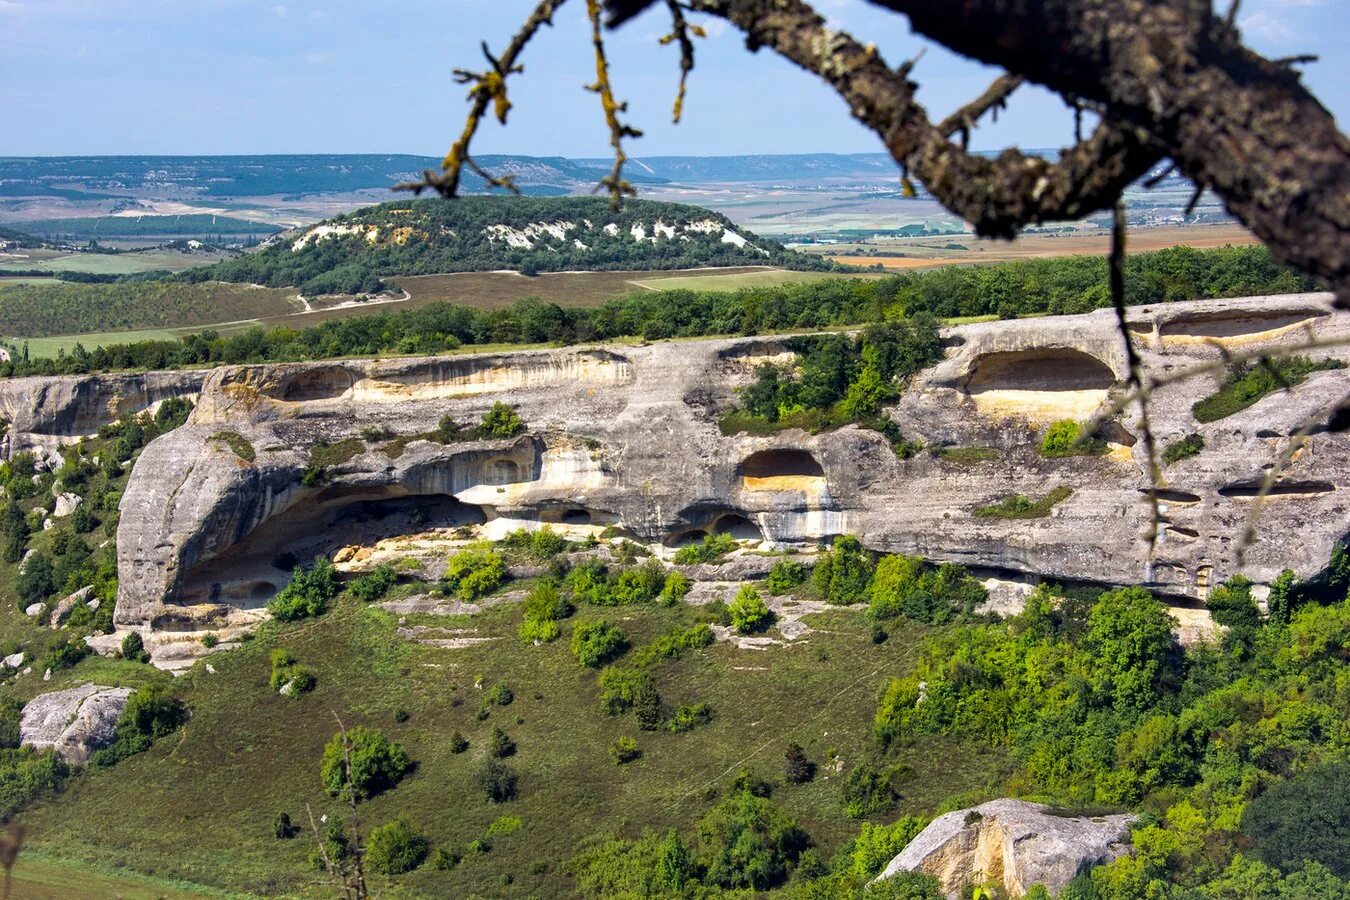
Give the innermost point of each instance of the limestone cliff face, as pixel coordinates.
(628, 436)
(49, 411)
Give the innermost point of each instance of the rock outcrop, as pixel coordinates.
(45, 412)
(75, 722)
(627, 437)
(1013, 844)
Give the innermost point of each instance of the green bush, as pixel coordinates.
(1065, 438)
(10, 714)
(501, 421)
(375, 584)
(394, 848)
(675, 589)
(877, 845)
(377, 763)
(472, 574)
(689, 717)
(785, 575)
(1304, 819)
(308, 592)
(545, 543)
(903, 585)
(595, 643)
(290, 677)
(842, 575)
(499, 695)
(282, 828)
(713, 548)
(1189, 446)
(909, 886)
(748, 612)
(797, 769)
(624, 750)
(37, 579)
(635, 586)
(64, 655)
(458, 743)
(544, 606)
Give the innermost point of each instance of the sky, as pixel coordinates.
(85, 77)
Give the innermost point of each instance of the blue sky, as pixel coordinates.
(272, 76)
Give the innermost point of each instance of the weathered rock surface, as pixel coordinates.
(1014, 844)
(76, 721)
(66, 504)
(13, 661)
(46, 412)
(66, 605)
(627, 438)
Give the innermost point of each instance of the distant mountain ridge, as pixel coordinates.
(102, 177)
(350, 254)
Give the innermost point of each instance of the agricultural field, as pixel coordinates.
(931, 251)
(104, 263)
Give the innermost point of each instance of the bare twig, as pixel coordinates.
(994, 97)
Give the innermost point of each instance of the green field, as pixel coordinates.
(45, 878)
(717, 281)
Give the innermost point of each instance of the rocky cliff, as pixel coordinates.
(627, 437)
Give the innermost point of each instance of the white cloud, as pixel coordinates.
(318, 57)
(280, 11)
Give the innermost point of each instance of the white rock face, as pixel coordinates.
(66, 504)
(75, 722)
(1013, 843)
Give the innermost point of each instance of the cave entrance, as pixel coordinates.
(1043, 385)
(782, 470)
(324, 383)
(249, 573)
(739, 527)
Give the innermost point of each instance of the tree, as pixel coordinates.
(1305, 819)
(748, 611)
(748, 842)
(1128, 641)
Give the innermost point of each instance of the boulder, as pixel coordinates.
(66, 503)
(33, 609)
(67, 605)
(1013, 843)
(13, 661)
(75, 722)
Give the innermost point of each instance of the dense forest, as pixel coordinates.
(349, 254)
(1055, 286)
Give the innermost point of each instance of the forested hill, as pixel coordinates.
(349, 254)
(17, 239)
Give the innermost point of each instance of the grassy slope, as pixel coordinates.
(43, 878)
(199, 806)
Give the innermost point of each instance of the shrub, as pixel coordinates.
(64, 655)
(133, 648)
(797, 769)
(308, 592)
(624, 750)
(1017, 506)
(499, 695)
(458, 742)
(472, 574)
(210, 639)
(395, 848)
(282, 827)
(375, 584)
(151, 713)
(595, 643)
(747, 842)
(1189, 446)
(1307, 818)
(37, 579)
(785, 575)
(903, 585)
(444, 859)
(842, 575)
(748, 612)
(675, 589)
(501, 421)
(10, 715)
(497, 781)
(869, 790)
(1231, 604)
(914, 886)
(289, 677)
(620, 687)
(713, 548)
(335, 842)
(687, 718)
(377, 763)
(542, 544)
(503, 826)
(638, 585)
(500, 745)
(877, 845)
(1065, 438)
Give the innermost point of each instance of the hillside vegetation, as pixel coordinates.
(39, 310)
(351, 253)
(1067, 285)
